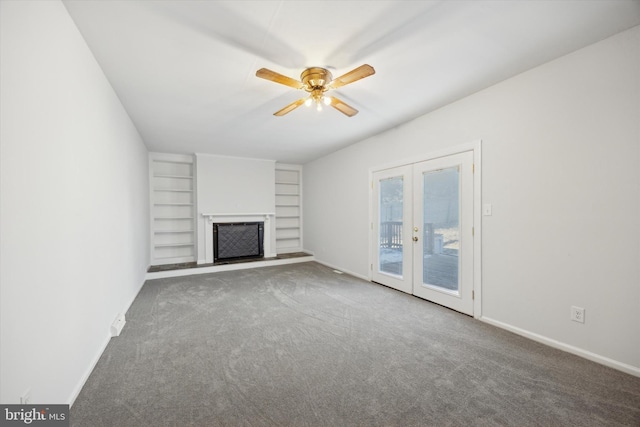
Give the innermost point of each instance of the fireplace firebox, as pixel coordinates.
(238, 240)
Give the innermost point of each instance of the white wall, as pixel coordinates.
(560, 162)
(74, 207)
(236, 185)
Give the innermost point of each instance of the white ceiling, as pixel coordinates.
(185, 70)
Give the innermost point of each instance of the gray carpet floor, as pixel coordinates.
(299, 345)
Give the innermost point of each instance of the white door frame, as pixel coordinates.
(476, 147)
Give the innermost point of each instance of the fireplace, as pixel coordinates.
(205, 249)
(238, 240)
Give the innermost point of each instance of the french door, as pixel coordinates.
(423, 230)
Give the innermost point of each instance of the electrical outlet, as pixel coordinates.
(577, 314)
(117, 325)
(25, 399)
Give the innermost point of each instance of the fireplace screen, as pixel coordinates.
(238, 240)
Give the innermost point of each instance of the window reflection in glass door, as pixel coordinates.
(391, 226)
(441, 225)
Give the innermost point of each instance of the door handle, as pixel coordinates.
(415, 238)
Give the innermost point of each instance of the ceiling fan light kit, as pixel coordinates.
(317, 81)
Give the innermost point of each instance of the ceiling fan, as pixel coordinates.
(317, 81)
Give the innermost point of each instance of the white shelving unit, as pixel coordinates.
(288, 208)
(173, 208)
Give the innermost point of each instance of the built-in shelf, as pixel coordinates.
(172, 196)
(167, 260)
(172, 176)
(288, 208)
(172, 217)
(171, 245)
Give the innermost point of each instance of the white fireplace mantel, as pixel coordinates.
(227, 217)
(269, 229)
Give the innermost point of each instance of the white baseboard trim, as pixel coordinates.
(94, 362)
(88, 371)
(225, 267)
(350, 273)
(629, 369)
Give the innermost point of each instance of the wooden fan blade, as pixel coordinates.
(354, 75)
(266, 74)
(342, 107)
(289, 108)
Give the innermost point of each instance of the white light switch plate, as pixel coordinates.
(486, 209)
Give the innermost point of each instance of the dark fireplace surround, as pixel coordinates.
(238, 240)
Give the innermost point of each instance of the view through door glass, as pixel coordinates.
(441, 238)
(391, 226)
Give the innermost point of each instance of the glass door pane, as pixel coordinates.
(391, 226)
(441, 225)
